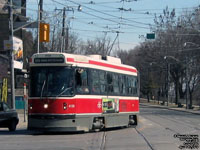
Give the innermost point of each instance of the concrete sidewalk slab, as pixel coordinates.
(22, 123)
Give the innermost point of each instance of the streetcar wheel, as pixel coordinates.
(133, 120)
(98, 123)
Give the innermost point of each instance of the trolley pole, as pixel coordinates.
(11, 54)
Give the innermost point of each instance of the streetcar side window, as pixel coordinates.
(131, 85)
(129, 88)
(103, 82)
(110, 82)
(115, 84)
(82, 80)
(122, 84)
(95, 82)
(135, 86)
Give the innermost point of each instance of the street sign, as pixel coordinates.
(150, 35)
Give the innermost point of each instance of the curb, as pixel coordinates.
(175, 109)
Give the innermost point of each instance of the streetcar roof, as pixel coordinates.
(107, 63)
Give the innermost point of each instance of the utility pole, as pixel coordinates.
(11, 54)
(63, 31)
(67, 36)
(40, 8)
(187, 85)
(63, 26)
(168, 85)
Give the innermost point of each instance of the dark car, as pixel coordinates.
(8, 117)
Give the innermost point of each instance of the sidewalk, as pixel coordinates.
(22, 123)
(170, 106)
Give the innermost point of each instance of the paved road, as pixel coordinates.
(155, 131)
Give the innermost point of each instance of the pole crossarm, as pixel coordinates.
(20, 25)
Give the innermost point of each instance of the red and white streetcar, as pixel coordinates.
(71, 92)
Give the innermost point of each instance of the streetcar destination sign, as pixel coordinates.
(48, 60)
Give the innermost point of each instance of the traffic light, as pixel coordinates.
(44, 32)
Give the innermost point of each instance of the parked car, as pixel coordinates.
(8, 117)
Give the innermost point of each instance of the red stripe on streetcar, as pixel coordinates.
(111, 66)
(104, 65)
(78, 106)
(70, 59)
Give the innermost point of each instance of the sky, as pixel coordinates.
(127, 21)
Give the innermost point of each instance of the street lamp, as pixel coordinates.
(168, 75)
(79, 8)
(191, 43)
(151, 64)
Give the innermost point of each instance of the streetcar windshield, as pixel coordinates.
(51, 81)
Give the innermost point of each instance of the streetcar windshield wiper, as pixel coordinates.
(65, 90)
(43, 85)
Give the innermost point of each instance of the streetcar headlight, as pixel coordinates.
(45, 106)
(30, 106)
(64, 106)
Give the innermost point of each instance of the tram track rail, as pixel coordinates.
(103, 142)
(97, 140)
(145, 139)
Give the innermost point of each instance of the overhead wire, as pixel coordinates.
(109, 19)
(105, 18)
(105, 13)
